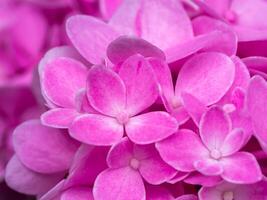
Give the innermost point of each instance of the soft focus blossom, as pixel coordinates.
(133, 99)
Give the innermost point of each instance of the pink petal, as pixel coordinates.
(188, 197)
(106, 91)
(57, 52)
(210, 193)
(154, 170)
(214, 127)
(209, 167)
(157, 193)
(178, 177)
(96, 129)
(78, 193)
(120, 184)
(190, 47)
(158, 18)
(182, 149)
(196, 178)
(124, 19)
(241, 81)
(219, 73)
(233, 173)
(251, 13)
(24, 180)
(88, 162)
(90, 36)
(214, 7)
(59, 117)
(120, 154)
(108, 7)
(256, 103)
(193, 106)
(226, 43)
(256, 62)
(61, 79)
(82, 102)
(150, 127)
(164, 79)
(233, 142)
(54, 152)
(125, 46)
(140, 82)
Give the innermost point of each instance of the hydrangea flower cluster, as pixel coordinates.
(149, 100)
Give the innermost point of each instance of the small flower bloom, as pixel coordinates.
(128, 165)
(119, 98)
(215, 153)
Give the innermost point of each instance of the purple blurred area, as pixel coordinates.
(8, 194)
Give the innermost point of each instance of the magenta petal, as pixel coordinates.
(157, 193)
(164, 79)
(190, 47)
(158, 18)
(179, 176)
(219, 73)
(150, 127)
(59, 117)
(215, 8)
(233, 173)
(54, 152)
(140, 82)
(188, 197)
(24, 180)
(256, 103)
(125, 46)
(226, 43)
(124, 19)
(233, 142)
(88, 162)
(209, 167)
(78, 193)
(120, 184)
(196, 178)
(154, 170)
(182, 149)
(61, 79)
(106, 91)
(90, 36)
(108, 7)
(214, 127)
(96, 129)
(120, 154)
(193, 106)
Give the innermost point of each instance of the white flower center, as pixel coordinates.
(229, 195)
(215, 154)
(229, 108)
(176, 103)
(123, 118)
(134, 163)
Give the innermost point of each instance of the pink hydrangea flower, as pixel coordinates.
(34, 169)
(128, 163)
(151, 100)
(214, 153)
(228, 191)
(119, 100)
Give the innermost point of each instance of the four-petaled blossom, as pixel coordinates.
(214, 153)
(119, 98)
(128, 165)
